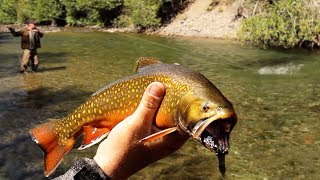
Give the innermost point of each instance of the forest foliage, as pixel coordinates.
(284, 23)
(122, 13)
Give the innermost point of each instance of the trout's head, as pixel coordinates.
(209, 120)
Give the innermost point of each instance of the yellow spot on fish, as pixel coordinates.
(95, 110)
(100, 112)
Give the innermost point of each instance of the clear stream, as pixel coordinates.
(276, 94)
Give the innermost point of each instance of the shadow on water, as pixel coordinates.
(52, 57)
(40, 100)
(4, 36)
(20, 158)
(52, 68)
(49, 61)
(13, 161)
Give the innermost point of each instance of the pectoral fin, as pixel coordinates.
(92, 136)
(158, 134)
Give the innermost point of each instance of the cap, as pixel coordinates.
(31, 21)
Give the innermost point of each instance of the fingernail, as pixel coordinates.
(156, 89)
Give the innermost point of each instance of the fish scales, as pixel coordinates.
(118, 101)
(191, 103)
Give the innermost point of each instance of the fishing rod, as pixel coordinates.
(230, 63)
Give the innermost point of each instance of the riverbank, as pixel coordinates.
(202, 19)
(199, 19)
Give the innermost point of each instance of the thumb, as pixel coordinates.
(150, 103)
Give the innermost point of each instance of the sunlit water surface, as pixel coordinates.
(276, 94)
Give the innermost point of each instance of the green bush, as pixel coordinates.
(8, 13)
(137, 13)
(47, 10)
(141, 13)
(284, 23)
(84, 12)
(123, 21)
(24, 10)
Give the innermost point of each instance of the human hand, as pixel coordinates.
(121, 154)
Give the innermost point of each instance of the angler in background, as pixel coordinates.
(30, 42)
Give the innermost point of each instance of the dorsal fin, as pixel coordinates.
(146, 61)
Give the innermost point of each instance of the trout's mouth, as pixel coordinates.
(214, 134)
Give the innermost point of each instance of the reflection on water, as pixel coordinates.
(280, 69)
(277, 135)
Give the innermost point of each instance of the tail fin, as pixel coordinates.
(53, 148)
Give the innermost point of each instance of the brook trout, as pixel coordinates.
(192, 104)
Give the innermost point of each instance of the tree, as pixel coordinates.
(141, 13)
(83, 12)
(284, 23)
(8, 13)
(47, 10)
(24, 10)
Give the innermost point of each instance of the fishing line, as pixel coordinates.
(182, 51)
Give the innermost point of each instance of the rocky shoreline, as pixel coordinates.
(196, 21)
(201, 21)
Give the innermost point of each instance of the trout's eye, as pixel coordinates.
(206, 108)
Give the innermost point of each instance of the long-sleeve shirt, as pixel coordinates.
(84, 169)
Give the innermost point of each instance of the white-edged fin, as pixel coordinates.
(201, 126)
(93, 142)
(158, 135)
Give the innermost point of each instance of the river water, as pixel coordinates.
(276, 94)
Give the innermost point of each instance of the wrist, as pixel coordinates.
(107, 166)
